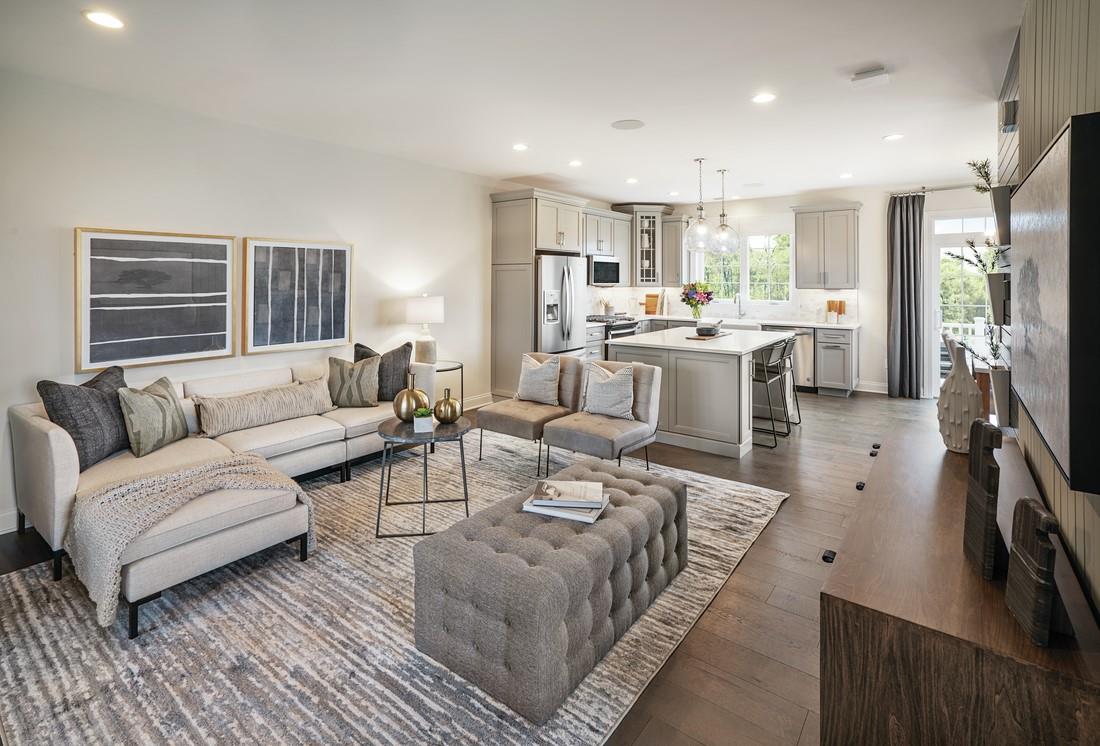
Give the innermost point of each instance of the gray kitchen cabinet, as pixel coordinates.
(837, 361)
(658, 358)
(598, 234)
(558, 226)
(672, 250)
(826, 248)
(620, 244)
(646, 242)
(527, 221)
(657, 325)
(593, 352)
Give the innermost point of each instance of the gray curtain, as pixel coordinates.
(905, 341)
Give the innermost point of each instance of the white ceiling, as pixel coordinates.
(457, 83)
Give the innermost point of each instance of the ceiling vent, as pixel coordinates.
(874, 76)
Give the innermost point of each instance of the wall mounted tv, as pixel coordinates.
(1056, 299)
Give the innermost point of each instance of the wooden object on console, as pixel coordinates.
(1030, 593)
(982, 542)
(917, 647)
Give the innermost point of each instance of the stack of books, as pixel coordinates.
(574, 501)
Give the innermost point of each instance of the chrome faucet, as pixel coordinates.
(740, 307)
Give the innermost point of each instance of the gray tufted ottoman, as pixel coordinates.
(524, 605)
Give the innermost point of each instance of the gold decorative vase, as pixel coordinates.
(448, 409)
(410, 399)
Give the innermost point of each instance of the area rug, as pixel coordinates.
(270, 650)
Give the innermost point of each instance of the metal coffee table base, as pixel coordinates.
(386, 477)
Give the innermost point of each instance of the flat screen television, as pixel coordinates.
(1056, 299)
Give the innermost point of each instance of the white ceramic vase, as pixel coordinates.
(960, 400)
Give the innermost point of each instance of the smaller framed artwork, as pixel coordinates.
(297, 294)
(148, 298)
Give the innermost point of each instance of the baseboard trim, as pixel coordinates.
(8, 522)
(873, 387)
(474, 402)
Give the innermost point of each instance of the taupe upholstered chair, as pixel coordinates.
(526, 419)
(610, 437)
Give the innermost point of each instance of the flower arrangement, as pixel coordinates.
(695, 295)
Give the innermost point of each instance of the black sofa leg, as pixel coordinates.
(20, 522)
(57, 555)
(134, 607)
(303, 547)
(647, 458)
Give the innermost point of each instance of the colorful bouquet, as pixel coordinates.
(695, 295)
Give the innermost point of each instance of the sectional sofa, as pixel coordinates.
(217, 528)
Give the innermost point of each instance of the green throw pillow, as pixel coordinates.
(154, 417)
(354, 384)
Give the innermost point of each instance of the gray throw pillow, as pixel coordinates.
(354, 384)
(538, 382)
(224, 414)
(392, 369)
(608, 393)
(89, 413)
(154, 417)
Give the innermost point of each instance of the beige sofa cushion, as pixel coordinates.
(237, 383)
(125, 466)
(283, 437)
(206, 515)
(360, 420)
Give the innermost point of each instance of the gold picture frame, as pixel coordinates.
(296, 332)
(105, 322)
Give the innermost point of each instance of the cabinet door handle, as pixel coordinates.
(833, 347)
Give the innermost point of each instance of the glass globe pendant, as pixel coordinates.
(700, 235)
(725, 236)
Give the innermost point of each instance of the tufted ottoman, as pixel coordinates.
(524, 605)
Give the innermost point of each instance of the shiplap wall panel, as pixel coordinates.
(1008, 143)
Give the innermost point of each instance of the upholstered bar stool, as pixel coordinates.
(526, 419)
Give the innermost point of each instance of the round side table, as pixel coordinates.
(449, 366)
(394, 432)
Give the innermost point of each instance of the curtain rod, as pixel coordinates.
(926, 190)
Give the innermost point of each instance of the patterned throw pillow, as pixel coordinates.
(608, 393)
(224, 414)
(154, 417)
(391, 370)
(354, 384)
(90, 413)
(538, 382)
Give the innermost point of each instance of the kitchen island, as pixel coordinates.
(706, 385)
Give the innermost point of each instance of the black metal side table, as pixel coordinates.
(449, 366)
(394, 432)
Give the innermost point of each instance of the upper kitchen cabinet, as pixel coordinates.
(826, 247)
(599, 237)
(672, 250)
(621, 233)
(646, 241)
(531, 220)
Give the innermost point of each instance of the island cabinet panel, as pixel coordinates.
(700, 404)
(658, 358)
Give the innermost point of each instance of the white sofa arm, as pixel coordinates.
(46, 471)
(425, 378)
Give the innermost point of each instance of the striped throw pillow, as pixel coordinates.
(608, 393)
(153, 415)
(219, 415)
(354, 384)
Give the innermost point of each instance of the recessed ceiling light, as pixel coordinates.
(102, 18)
(763, 98)
(894, 137)
(519, 147)
(631, 180)
(735, 196)
(575, 163)
(628, 124)
(673, 194)
(845, 175)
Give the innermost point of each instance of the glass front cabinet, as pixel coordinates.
(646, 241)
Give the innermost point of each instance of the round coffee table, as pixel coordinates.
(394, 432)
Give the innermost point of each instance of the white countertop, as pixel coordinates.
(765, 322)
(737, 342)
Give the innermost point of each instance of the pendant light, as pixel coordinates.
(700, 235)
(726, 237)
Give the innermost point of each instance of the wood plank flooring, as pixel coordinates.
(747, 672)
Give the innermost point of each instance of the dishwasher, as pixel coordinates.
(804, 350)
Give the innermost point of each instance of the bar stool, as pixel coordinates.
(772, 365)
(788, 369)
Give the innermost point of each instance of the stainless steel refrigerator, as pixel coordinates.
(561, 304)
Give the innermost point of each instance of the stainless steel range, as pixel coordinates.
(618, 325)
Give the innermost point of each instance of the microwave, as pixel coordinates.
(604, 271)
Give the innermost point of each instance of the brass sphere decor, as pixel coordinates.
(447, 409)
(410, 399)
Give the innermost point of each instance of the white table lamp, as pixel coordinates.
(424, 310)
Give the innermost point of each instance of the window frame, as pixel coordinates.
(697, 268)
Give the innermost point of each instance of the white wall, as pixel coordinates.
(72, 157)
(868, 304)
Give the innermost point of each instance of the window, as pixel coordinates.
(763, 264)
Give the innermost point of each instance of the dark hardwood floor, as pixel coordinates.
(747, 672)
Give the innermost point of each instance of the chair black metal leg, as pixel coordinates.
(481, 444)
(57, 555)
(786, 409)
(647, 458)
(303, 547)
(381, 491)
(620, 458)
(134, 607)
(465, 488)
(771, 413)
(797, 408)
(20, 522)
(424, 507)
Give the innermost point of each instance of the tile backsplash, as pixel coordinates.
(805, 305)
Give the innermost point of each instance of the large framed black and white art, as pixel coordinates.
(145, 298)
(297, 294)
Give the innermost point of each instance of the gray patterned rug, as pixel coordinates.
(270, 650)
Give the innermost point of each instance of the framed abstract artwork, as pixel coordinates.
(146, 298)
(297, 294)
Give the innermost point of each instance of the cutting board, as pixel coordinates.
(713, 336)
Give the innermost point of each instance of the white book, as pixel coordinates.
(584, 515)
(568, 494)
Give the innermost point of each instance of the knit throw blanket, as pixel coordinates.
(104, 523)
